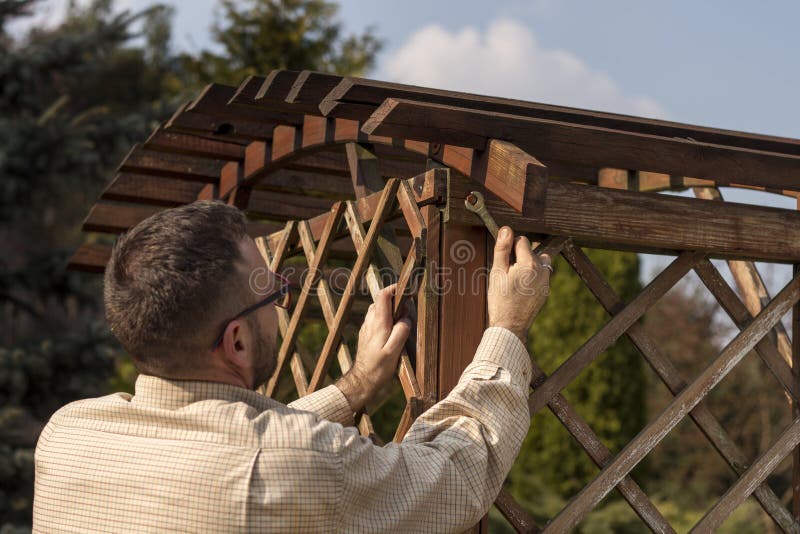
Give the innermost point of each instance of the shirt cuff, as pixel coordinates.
(499, 346)
(328, 403)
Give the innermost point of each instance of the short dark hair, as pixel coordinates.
(171, 280)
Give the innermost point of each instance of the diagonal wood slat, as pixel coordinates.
(654, 432)
(612, 330)
(672, 378)
(343, 311)
(313, 277)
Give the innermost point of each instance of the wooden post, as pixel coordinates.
(462, 299)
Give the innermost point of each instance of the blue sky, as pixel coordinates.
(729, 64)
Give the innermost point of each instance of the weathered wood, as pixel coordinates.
(462, 300)
(675, 382)
(309, 88)
(585, 145)
(600, 455)
(647, 221)
(357, 98)
(427, 327)
(147, 189)
(90, 257)
(612, 330)
(519, 518)
(214, 101)
(428, 188)
(328, 305)
(142, 161)
(741, 317)
(278, 206)
(684, 402)
(276, 87)
(310, 282)
(116, 218)
(752, 478)
(191, 145)
(751, 285)
(334, 336)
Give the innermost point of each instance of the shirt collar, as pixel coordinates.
(171, 394)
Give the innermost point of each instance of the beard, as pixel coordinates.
(264, 360)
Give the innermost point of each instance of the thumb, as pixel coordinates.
(398, 336)
(502, 248)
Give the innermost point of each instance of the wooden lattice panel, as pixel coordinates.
(363, 223)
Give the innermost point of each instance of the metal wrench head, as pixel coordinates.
(475, 203)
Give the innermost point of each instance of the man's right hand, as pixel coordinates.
(516, 292)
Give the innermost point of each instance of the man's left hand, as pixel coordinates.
(380, 341)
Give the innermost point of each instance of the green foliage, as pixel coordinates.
(256, 36)
(73, 98)
(609, 394)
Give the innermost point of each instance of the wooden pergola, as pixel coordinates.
(346, 171)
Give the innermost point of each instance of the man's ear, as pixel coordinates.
(235, 346)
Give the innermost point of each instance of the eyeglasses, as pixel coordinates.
(282, 298)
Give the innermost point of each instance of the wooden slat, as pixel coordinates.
(147, 189)
(90, 257)
(741, 317)
(427, 349)
(328, 305)
(684, 402)
(330, 230)
(142, 161)
(116, 218)
(310, 88)
(334, 336)
(584, 145)
(192, 145)
(428, 188)
(751, 479)
(277, 206)
(601, 455)
(647, 221)
(214, 100)
(672, 378)
(275, 88)
(356, 98)
(612, 330)
(519, 518)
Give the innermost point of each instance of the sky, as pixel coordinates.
(722, 63)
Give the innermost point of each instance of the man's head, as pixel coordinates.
(172, 285)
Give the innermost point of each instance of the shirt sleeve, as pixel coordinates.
(449, 468)
(328, 403)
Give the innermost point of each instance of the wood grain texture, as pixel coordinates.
(142, 161)
(649, 221)
(684, 402)
(584, 145)
(675, 382)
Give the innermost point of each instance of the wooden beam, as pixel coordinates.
(357, 98)
(116, 218)
(310, 88)
(191, 145)
(585, 145)
(285, 206)
(648, 221)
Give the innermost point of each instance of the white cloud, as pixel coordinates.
(506, 60)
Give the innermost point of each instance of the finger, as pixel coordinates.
(522, 249)
(502, 248)
(546, 262)
(397, 338)
(383, 306)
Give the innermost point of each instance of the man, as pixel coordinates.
(197, 450)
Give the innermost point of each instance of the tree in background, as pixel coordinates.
(73, 99)
(609, 394)
(256, 36)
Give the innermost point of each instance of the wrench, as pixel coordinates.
(476, 204)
